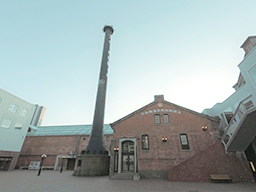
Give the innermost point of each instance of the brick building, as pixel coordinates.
(159, 140)
(56, 142)
(164, 140)
(238, 111)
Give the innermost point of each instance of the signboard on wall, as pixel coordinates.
(34, 165)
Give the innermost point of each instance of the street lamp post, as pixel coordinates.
(62, 162)
(41, 164)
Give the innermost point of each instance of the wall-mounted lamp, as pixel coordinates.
(164, 138)
(204, 127)
(116, 149)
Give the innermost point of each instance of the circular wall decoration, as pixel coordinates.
(160, 105)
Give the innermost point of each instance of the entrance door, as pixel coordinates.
(127, 156)
(71, 163)
(128, 163)
(5, 163)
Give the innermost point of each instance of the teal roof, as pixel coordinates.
(66, 130)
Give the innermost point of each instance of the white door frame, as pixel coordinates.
(121, 140)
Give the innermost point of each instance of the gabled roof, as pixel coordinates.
(160, 98)
(66, 130)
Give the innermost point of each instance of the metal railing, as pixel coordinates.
(236, 121)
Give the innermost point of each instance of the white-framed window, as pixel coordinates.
(145, 142)
(13, 108)
(166, 119)
(157, 119)
(18, 126)
(24, 112)
(128, 146)
(248, 105)
(184, 141)
(6, 123)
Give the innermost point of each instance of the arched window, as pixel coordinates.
(157, 119)
(145, 142)
(166, 119)
(184, 141)
(128, 147)
(79, 163)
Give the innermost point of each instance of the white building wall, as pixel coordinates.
(231, 103)
(248, 70)
(15, 118)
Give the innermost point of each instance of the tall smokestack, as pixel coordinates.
(96, 142)
(94, 160)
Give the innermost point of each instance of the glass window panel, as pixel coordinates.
(157, 119)
(145, 142)
(184, 141)
(24, 112)
(6, 123)
(248, 105)
(13, 108)
(128, 146)
(18, 126)
(166, 119)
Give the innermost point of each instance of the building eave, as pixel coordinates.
(132, 114)
(193, 112)
(246, 41)
(169, 103)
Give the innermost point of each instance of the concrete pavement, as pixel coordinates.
(27, 180)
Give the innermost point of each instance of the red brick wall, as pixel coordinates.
(212, 161)
(206, 154)
(166, 155)
(24, 160)
(52, 146)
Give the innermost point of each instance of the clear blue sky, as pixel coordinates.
(50, 53)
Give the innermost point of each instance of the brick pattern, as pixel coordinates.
(52, 146)
(92, 165)
(205, 155)
(164, 156)
(212, 161)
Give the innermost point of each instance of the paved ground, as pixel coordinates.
(27, 180)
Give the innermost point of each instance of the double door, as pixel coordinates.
(128, 156)
(128, 162)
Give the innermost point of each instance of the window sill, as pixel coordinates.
(144, 150)
(185, 150)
